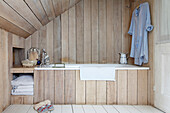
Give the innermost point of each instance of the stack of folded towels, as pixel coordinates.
(23, 85)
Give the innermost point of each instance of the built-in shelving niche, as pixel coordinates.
(18, 56)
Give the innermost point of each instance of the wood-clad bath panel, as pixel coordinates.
(49, 88)
(101, 92)
(142, 87)
(112, 90)
(122, 87)
(65, 87)
(132, 87)
(91, 92)
(59, 87)
(70, 87)
(80, 89)
(39, 86)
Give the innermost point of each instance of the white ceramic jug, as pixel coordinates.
(123, 58)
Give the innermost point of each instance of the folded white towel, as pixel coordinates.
(23, 87)
(97, 73)
(23, 80)
(23, 90)
(23, 93)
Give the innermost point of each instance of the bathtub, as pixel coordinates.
(77, 67)
(130, 86)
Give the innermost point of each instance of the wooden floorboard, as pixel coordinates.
(99, 109)
(17, 109)
(86, 109)
(78, 109)
(110, 109)
(66, 109)
(147, 109)
(31, 110)
(57, 109)
(121, 109)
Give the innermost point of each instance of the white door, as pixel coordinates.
(162, 77)
(162, 55)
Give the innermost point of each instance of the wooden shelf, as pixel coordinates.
(22, 70)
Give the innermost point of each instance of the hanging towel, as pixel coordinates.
(140, 25)
(97, 73)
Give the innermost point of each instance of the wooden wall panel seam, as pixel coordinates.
(21, 8)
(40, 13)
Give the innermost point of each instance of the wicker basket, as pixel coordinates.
(28, 63)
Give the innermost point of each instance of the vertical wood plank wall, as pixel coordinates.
(7, 42)
(129, 88)
(5, 65)
(96, 34)
(151, 49)
(4, 78)
(89, 32)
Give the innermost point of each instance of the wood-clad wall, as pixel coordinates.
(5, 64)
(151, 49)
(93, 31)
(65, 87)
(7, 42)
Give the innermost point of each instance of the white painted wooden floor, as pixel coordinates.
(86, 109)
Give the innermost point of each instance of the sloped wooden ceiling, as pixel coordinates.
(24, 17)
